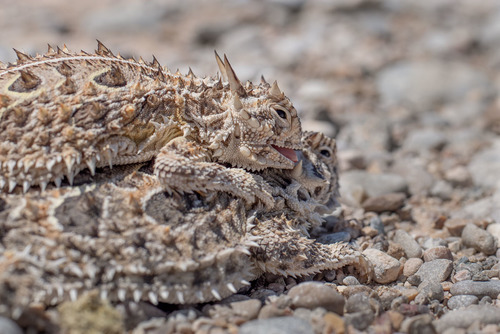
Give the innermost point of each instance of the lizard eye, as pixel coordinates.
(325, 152)
(281, 113)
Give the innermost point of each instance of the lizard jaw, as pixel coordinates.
(287, 153)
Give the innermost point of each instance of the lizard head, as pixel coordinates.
(265, 128)
(323, 149)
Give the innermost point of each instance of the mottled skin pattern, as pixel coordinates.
(64, 112)
(120, 233)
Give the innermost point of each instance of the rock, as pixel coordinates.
(283, 325)
(359, 320)
(388, 202)
(429, 290)
(436, 271)
(410, 246)
(418, 324)
(333, 323)
(314, 294)
(463, 318)
(414, 171)
(460, 301)
(479, 239)
(494, 230)
(458, 176)
(462, 275)
(350, 280)
(359, 303)
(440, 252)
(371, 184)
(426, 83)
(411, 266)
(455, 225)
(476, 288)
(442, 189)
(247, 309)
(478, 210)
(424, 139)
(386, 268)
(7, 326)
(485, 166)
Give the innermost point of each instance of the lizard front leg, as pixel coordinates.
(184, 166)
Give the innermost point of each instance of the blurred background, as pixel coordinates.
(408, 88)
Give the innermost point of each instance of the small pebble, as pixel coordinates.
(247, 309)
(386, 268)
(333, 323)
(440, 252)
(411, 266)
(360, 320)
(464, 317)
(428, 291)
(460, 301)
(282, 325)
(462, 275)
(7, 326)
(411, 247)
(388, 202)
(479, 239)
(314, 294)
(350, 280)
(479, 289)
(437, 270)
(455, 226)
(419, 324)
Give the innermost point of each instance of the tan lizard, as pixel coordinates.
(63, 112)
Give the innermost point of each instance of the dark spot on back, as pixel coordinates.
(112, 78)
(27, 82)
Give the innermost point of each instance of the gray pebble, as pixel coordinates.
(424, 83)
(359, 302)
(419, 324)
(424, 139)
(372, 184)
(428, 291)
(414, 171)
(410, 246)
(437, 270)
(388, 202)
(460, 301)
(283, 325)
(479, 289)
(7, 326)
(463, 318)
(350, 280)
(386, 268)
(484, 166)
(314, 294)
(442, 189)
(360, 320)
(479, 239)
(333, 238)
(435, 253)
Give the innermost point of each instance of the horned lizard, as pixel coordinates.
(120, 233)
(63, 112)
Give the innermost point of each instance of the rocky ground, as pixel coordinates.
(409, 89)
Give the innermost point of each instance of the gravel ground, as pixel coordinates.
(409, 89)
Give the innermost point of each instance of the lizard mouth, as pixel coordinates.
(287, 153)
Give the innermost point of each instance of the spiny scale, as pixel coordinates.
(60, 111)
